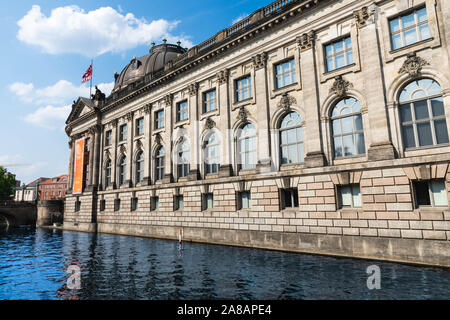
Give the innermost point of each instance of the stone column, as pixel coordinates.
(114, 134)
(91, 135)
(71, 164)
(148, 144)
(195, 144)
(381, 147)
(130, 134)
(262, 113)
(224, 125)
(96, 156)
(314, 147)
(167, 137)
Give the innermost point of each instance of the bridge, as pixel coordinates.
(15, 214)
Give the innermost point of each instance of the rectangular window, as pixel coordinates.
(178, 203)
(102, 205)
(243, 89)
(154, 203)
(244, 200)
(289, 198)
(140, 126)
(134, 204)
(182, 111)
(207, 201)
(108, 138)
(123, 132)
(159, 119)
(409, 28)
(116, 204)
(77, 205)
(431, 193)
(349, 196)
(285, 74)
(209, 101)
(339, 54)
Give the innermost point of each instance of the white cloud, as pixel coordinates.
(61, 92)
(11, 160)
(241, 17)
(49, 117)
(72, 30)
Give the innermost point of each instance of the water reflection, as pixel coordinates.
(34, 264)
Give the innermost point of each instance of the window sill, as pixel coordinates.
(409, 46)
(181, 123)
(428, 147)
(238, 104)
(339, 70)
(430, 209)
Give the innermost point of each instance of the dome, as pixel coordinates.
(148, 65)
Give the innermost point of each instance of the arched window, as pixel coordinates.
(212, 153)
(122, 170)
(160, 157)
(422, 114)
(246, 146)
(348, 131)
(183, 159)
(291, 139)
(140, 167)
(108, 173)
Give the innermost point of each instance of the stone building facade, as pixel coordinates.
(311, 126)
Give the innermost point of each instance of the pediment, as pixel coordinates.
(80, 108)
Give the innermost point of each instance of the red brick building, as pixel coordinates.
(53, 189)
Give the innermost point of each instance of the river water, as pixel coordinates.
(34, 264)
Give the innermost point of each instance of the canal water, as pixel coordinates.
(34, 264)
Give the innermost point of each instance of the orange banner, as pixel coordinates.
(79, 166)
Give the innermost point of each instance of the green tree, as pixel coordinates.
(7, 184)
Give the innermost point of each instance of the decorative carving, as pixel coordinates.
(129, 116)
(306, 40)
(193, 89)
(168, 99)
(94, 129)
(122, 149)
(340, 86)
(147, 108)
(286, 102)
(413, 65)
(139, 144)
(362, 16)
(209, 124)
(98, 96)
(114, 123)
(222, 76)
(243, 114)
(158, 139)
(259, 61)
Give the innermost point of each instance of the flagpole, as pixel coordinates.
(92, 74)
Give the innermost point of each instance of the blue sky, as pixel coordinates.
(48, 45)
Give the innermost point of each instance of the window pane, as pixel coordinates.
(350, 57)
(438, 107)
(330, 64)
(336, 127)
(441, 131)
(358, 122)
(340, 61)
(329, 50)
(337, 147)
(405, 113)
(424, 132)
(422, 193)
(408, 136)
(424, 32)
(348, 43)
(349, 146)
(338, 47)
(421, 110)
(422, 15)
(394, 25)
(396, 41)
(439, 193)
(347, 124)
(356, 195)
(408, 21)
(410, 36)
(360, 144)
(346, 196)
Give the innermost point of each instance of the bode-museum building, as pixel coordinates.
(318, 126)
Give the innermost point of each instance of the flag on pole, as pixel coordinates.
(87, 75)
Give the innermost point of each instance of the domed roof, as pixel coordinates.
(149, 64)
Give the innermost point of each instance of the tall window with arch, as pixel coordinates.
(108, 173)
(183, 158)
(122, 170)
(212, 153)
(422, 114)
(347, 127)
(291, 139)
(160, 157)
(140, 166)
(246, 147)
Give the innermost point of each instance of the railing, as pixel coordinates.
(238, 26)
(273, 7)
(207, 43)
